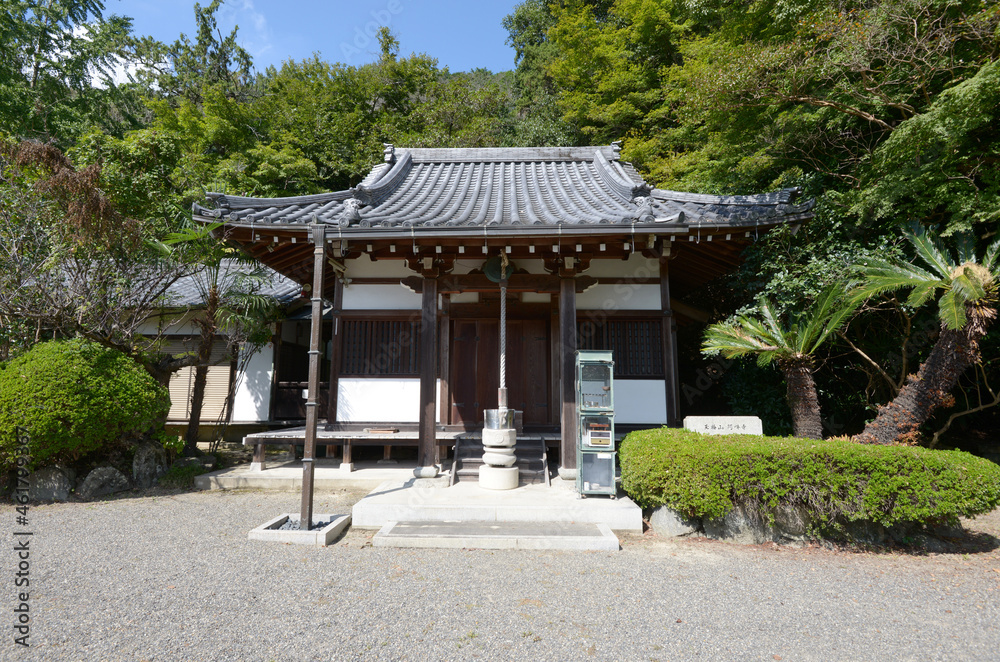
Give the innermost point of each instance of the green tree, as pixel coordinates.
(211, 61)
(58, 67)
(71, 263)
(792, 346)
(967, 305)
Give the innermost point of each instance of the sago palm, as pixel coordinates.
(792, 346)
(967, 298)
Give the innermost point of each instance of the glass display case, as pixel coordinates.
(595, 448)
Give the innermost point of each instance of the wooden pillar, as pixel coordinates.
(335, 351)
(312, 403)
(444, 332)
(555, 366)
(669, 340)
(567, 388)
(427, 443)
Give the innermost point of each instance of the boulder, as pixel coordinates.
(742, 526)
(148, 464)
(792, 522)
(49, 484)
(101, 481)
(668, 522)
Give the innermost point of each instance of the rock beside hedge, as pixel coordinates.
(148, 464)
(102, 481)
(49, 484)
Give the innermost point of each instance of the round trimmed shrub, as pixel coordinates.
(834, 481)
(74, 397)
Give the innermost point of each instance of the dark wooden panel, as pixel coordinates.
(488, 366)
(535, 371)
(463, 372)
(475, 369)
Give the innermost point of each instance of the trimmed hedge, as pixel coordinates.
(75, 397)
(835, 481)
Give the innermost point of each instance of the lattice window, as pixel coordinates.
(637, 345)
(380, 347)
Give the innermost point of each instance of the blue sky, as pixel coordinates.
(462, 35)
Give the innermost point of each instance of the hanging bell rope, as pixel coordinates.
(504, 263)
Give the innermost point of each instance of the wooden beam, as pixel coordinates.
(516, 283)
(567, 386)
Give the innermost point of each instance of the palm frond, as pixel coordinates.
(965, 247)
(882, 277)
(734, 340)
(770, 327)
(826, 316)
(990, 258)
(194, 233)
(930, 251)
(951, 310)
(921, 293)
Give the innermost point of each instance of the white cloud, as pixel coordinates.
(254, 34)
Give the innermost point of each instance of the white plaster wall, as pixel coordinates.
(620, 296)
(636, 266)
(640, 401)
(536, 297)
(380, 297)
(363, 267)
(464, 297)
(251, 403)
(381, 400)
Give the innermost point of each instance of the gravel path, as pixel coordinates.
(173, 577)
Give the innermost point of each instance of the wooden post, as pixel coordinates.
(567, 387)
(312, 404)
(669, 343)
(427, 443)
(335, 342)
(444, 331)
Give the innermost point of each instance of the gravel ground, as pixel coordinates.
(172, 576)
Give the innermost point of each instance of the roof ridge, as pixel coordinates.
(507, 154)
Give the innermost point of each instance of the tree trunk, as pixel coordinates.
(198, 395)
(803, 400)
(931, 387)
(208, 326)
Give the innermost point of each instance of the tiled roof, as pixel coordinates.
(541, 187)
(187, 291)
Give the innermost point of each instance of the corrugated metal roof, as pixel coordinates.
(545, 186)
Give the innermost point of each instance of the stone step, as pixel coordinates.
(497, 535)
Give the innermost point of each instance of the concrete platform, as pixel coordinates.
(287, 476)
(408, 501)
(498, 535)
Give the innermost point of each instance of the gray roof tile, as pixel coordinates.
(187, 291)
(545, 186)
